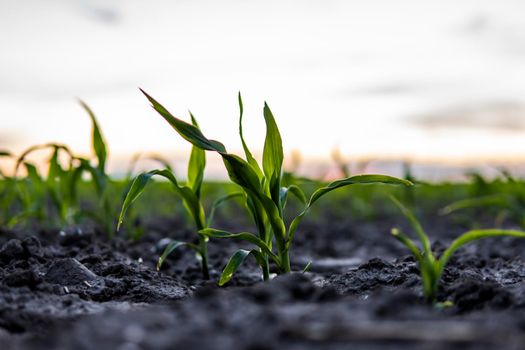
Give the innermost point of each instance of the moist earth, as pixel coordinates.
(76, 289)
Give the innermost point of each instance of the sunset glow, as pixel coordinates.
(440, 82)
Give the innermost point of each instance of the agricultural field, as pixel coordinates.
(268, 259)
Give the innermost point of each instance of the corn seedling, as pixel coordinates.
(106, 213)
(55, 194)
(43, 197)
(265, 196)
(190, 194)
(432, 267)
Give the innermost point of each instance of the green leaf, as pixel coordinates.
(416, 226)
(358, 179)
(474, 235)
(55, 169)
(353, 180)
(235, 261)
(233, 264)
(485, 201)
(188, 131)
(403, 238)
(259, 218)
(5, 154)
(196, 165)
(98, 177)
(249, 157)
(32, 149)
(306, 268)
(32, 173)
(245, 236)
(191, 202)
(97, 140)
(171, 247)
(272, 155)
(240, 172)
(243, 174)
(136, 189)
(21, 217)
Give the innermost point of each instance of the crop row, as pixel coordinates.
(263, 189)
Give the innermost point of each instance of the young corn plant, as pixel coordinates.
(105, 214)
(55, 194)
(46, 197)
(431, 267)
(190, 194)
(263, 191)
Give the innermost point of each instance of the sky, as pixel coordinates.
(432, 81)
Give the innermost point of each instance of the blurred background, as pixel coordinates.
(373, 84)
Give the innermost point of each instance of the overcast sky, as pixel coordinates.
(441, 79)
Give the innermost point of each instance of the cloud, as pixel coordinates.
(497, 116)
(100, 11)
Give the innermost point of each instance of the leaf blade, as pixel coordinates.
(474, 235)
(196, 165)
(245, 236)
(188, 131)
(273, 155)
(249, 157)
(353, 180)
(174, 244)
(236, 261)
(416, 225)
(189, 198)
(97, 140)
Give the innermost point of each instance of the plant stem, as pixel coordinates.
(203, 245)
(285, 261)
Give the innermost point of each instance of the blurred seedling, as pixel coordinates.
(432, 267)
(506, 196)
(55, 194)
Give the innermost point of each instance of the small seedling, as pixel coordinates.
(43, 197)
(431, 267)
(262, 187)
(105, 216)
(54, 194)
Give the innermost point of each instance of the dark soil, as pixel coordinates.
(77, 290)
